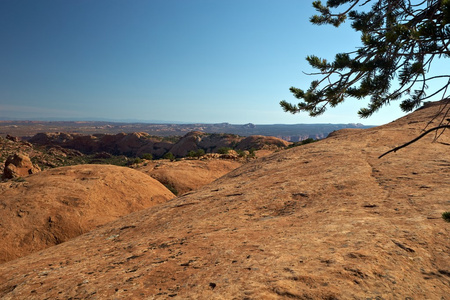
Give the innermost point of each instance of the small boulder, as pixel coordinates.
(19, 165)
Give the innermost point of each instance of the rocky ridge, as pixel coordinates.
(327, 220)
(137, 144)
(42, 157)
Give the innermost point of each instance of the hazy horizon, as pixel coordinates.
(164, 122)
(196, 61)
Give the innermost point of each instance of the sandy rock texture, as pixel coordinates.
(328, 220)
(19, 165)
(186, 175)
(56, 205)
(262, 142)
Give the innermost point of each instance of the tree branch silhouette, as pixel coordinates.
(415, 140)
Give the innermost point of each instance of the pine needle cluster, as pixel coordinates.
(400, 39)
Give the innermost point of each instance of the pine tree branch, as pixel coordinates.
(400, 41)
(414, 140)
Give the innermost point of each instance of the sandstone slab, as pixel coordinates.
(328, 220)
(59, 204)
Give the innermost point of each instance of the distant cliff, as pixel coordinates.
(138, 143)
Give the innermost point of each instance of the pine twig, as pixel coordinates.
(414, 140)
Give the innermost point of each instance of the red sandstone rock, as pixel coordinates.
(56, 205)
(19, 165)
(327, 220)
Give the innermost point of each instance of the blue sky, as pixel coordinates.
(201, 61)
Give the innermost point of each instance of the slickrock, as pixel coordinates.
(56, 205)
(188, 175)
(328, 220)
(262, 142)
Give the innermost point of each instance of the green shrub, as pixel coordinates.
(147, 156)
(240, 153)
(446, 216)
(223, 150)
(135, 161)
(251, 152)
(308, 141)
(301, 143)
(198, 153)
(169, 155)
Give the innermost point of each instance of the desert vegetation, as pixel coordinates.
(446, 216)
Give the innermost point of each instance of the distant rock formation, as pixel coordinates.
(138, 143)
(187, 143)
(19, 165)
(130, 144)
(262, 142)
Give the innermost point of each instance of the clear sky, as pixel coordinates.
(200, 61)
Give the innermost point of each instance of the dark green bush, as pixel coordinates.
(223, 150)
(308, 141)
(446, 216)
(251, 152)
(147, 156)
(240, 153)
(134, 161)
(198, 153)
(304, 142)
(169, 155)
